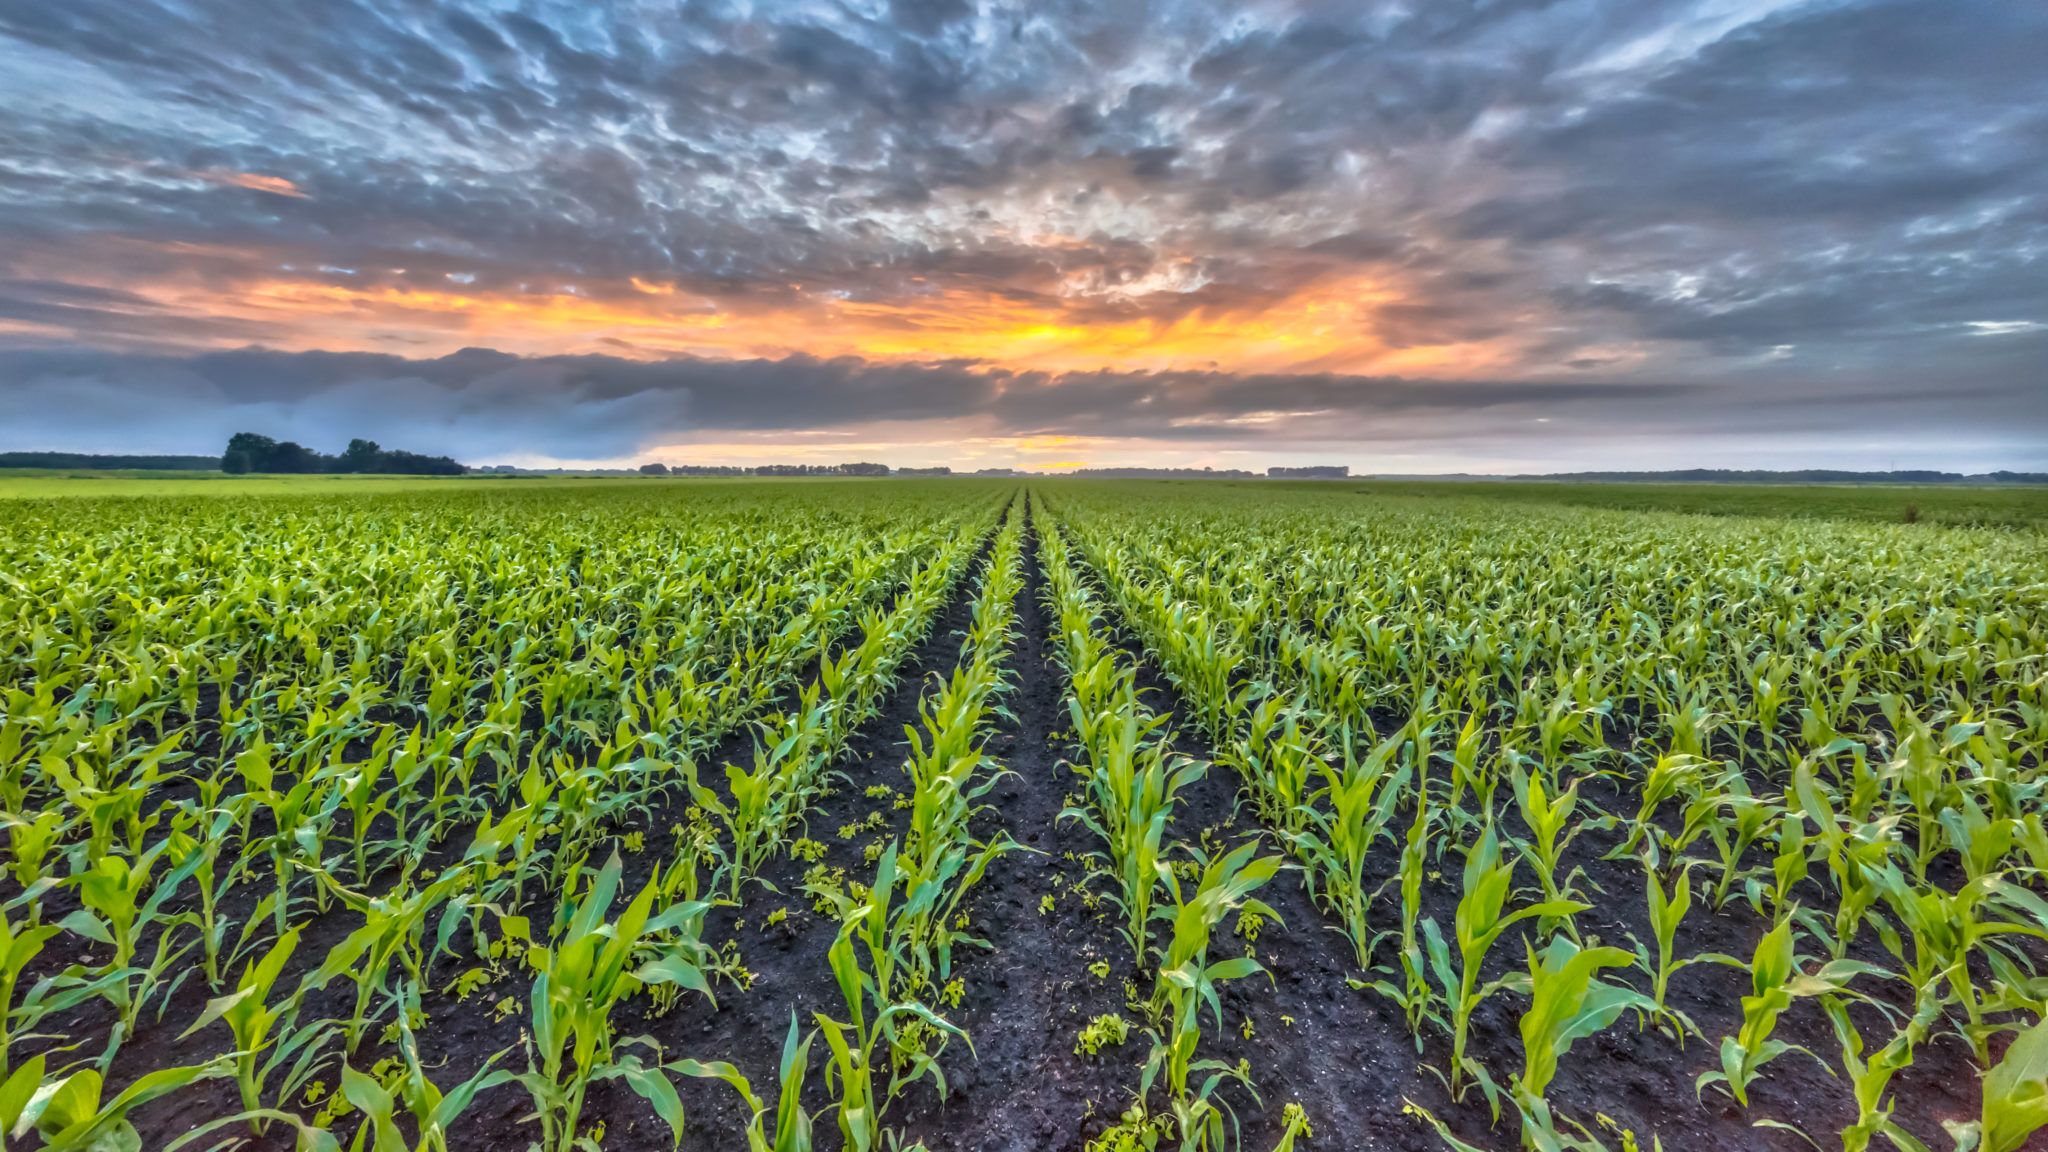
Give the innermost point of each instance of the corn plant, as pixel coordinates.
(1132, 781)
(1346, 820)
(1551, 831)
(252, 1018)
(1187, 982)
(580, 980)
(1568, 1002)
(792, 1123)
(392, 934)
(887, 1040)
(1871, 1076)
(72, 1113)
(1776, 979)
(1669, 893)
(1481, 920)
(2015, 1099)
(20, 944)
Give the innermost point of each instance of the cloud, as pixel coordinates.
(481, 405)
(1632, 194)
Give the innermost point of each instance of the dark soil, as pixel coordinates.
(1025, 1089)
(1343, 1054)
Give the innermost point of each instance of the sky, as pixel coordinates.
(1424, 236)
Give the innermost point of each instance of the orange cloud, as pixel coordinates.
(256, 181)
(1326, 322)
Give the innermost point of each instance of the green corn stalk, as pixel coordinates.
(30, 842)
(20, 944)
(392, 933)
(1345, 821)
(432, 1111)
(2015, 1099)
(1670, 897)
(1132, 781)
(1775, 981)
(70, 1111)
(876, 987)
(1480, 921)
(1673, 773)
(792, 1123)
(1414, 995)
(251, 1017)
(1948, 929)
(579, 983)
(1187, 982)
(121, 906)
(1568, 1002)
(1736, 823)
(1551, 831)
(1872, 1077)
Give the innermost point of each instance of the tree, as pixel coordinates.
(292, 456)
(361, 456)
(247, 452)
(655, 469)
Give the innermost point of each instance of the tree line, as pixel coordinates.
(249, 452)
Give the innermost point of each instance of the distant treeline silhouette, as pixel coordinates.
(249, 452)
(91, 460)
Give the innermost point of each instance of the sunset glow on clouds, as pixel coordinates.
(1406, 237)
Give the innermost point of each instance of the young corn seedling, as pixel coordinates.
(1775, 981)
(762, 799)
(2015, 1098)
(1949, 929)
(432, 1111)
(1551, 831)
(70, 1111)
(251, 1019)
(887, 1029)
(1132, 782)
(199, 834)
(20, 944)
(1735, 825)
(579, 983)
(940, 860)
(1414, 995)
(1481, 920)
(792, 1123)
(1673, 773)
(1669, 893)
(1872, 1077)
(121, 906)
(1356, 804)
(1852, 850)
(1275, 761)
(297, 833)
(1187, 982)
(1568, 1002)
(1789, 866)
(392, 933)
(30, 842)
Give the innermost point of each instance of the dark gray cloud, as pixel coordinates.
(1843, 198)
(482, 404)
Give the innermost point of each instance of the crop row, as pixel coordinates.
(415, 739)
(1851, 753)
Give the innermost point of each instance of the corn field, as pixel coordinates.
(970, 814)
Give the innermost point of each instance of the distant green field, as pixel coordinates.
(1939, 504)
(36, 484)
(2022, 507)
